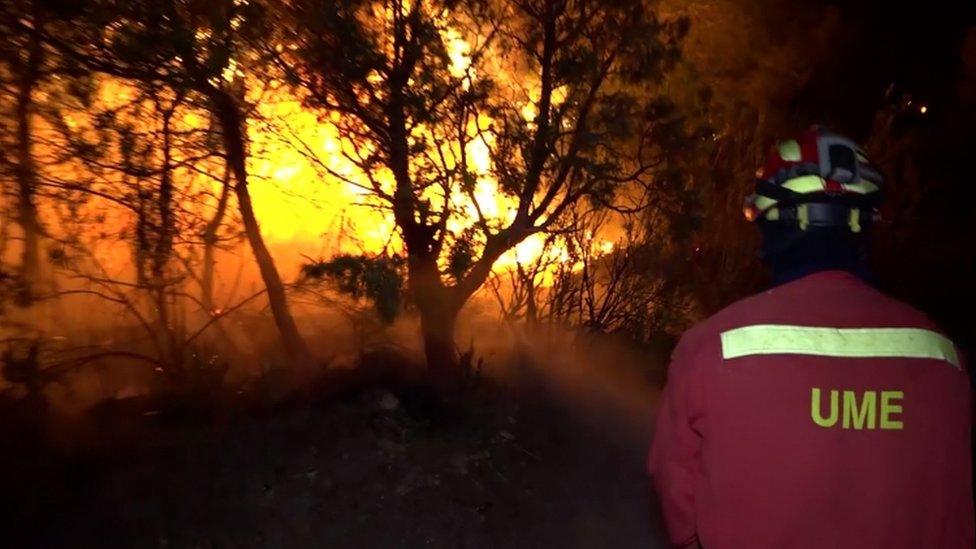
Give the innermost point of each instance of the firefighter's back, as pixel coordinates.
(834, 417)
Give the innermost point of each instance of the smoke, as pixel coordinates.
(605, 378)
(602, 380)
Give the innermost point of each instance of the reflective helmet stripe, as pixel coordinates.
(817, 167)
(854, 221)
(813, 184)
(789, 150)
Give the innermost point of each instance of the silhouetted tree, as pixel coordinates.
(192, 48)
(25, 65)
(554, 93)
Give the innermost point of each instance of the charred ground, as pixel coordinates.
(382, 466)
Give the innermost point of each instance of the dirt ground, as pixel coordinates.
(378, 467)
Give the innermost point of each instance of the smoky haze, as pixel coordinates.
(230, 231)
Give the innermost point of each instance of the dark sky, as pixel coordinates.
(913, 45)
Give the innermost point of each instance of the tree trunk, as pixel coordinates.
(163, 250)
(232, 124)
(438, 319)
(163, 247)
(437, 326)
(440, 304)
(210, 244)
(27, 215)
(207, 276)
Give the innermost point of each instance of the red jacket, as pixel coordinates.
(818, 414)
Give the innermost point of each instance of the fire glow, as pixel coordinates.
(296, 154)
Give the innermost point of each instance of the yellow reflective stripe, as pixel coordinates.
(764, 203)
(805, 184)
(768, 339)
(861, 187)
(812, 184)
(803, 216)
(854, 221)
(789, 151)
(815, 184)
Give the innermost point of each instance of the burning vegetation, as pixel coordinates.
(241, 201)
(435, 147)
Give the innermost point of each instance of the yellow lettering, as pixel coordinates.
(859, 415)
(815, 409)
(888, 409)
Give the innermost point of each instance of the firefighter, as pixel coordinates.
(819, 413)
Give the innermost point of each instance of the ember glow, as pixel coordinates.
(310, 199)
(307, 191)
(220, 161)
